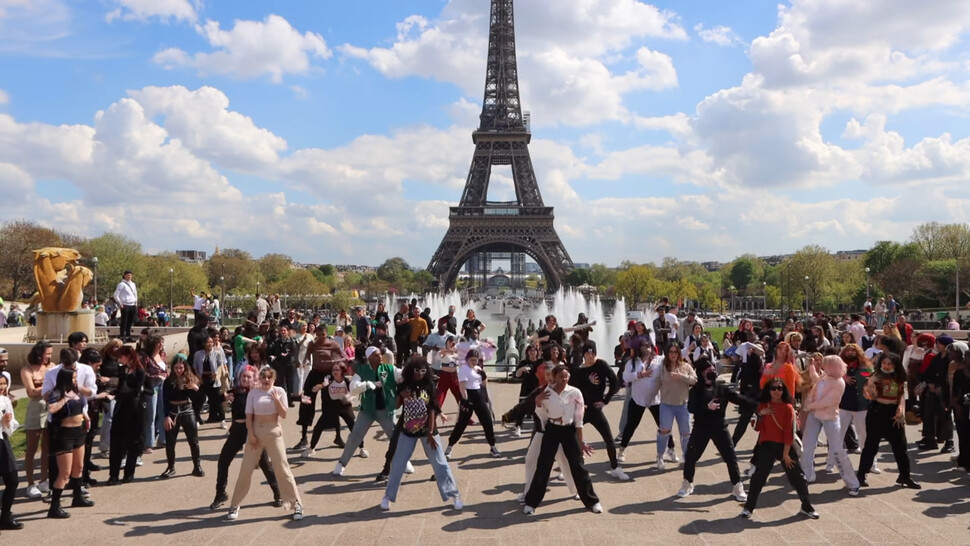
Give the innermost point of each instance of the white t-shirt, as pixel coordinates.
(470, 377)
(563, 409)
(260, 402)
(674, 324)
(645, 391)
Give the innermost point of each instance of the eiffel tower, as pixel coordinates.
(479, 228)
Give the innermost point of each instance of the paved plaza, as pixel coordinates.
(344, 510)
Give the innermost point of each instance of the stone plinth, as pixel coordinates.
(57, 326)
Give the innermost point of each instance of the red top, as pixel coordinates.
(778, 427)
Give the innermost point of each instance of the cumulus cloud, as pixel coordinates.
(720, 35)
(4, 97)
(251, 49)
(143, 10)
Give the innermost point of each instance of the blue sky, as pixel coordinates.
(340, 131)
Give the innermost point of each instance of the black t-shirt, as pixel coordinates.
(470, 328)
(598, 382)
(556, 336)
(401, 331)
(239, 405)
(452, 324)
(363, 323)
(381, 317)
(961, 388)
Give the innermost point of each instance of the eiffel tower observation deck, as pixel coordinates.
(480, 229)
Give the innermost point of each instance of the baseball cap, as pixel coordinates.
(371, 350)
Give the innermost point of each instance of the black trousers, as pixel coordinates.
(937, 425)
(554, 437)
(747, 411)
(95, 416)
(345, 412)
(880, 424)
(214, 394)
(184, 418)
(238, 435)
(314, 378)
(475, 404)
(700, 436)
(403, 350)
(127, 437)
(768, 453)
(597, 418)
(389, 454)
(284, 376)
(963, 432)
(634, 415)
(8, 473)
(128, 314)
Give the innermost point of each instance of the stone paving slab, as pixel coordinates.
(344, 510)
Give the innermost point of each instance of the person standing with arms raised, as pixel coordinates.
(126, 295)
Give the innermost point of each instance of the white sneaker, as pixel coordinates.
(458, 504)
(686, 489)
(518, 432)
(831, 469)
(139, 462)
(619, 474)
(225, 425)
(33, 492)
(298, 512)
(660, 463)
(385, 503)
(44, 487)
(520, 498)
(338, 470)
(409, 468)
(597, 508)
(875, 469)
(362, 453)
(307, 452)
(749, 472)
(448, 453)
(738, 492)
(528, 510)
(233, 514)
(621, 455)
(560, 477)
(494, 452)
(672, 456)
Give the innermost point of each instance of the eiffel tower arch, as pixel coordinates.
(525, 225)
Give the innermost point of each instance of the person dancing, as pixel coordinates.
(642, 376)
(821, 409)
(418, 424)
(561, 407)
(677, 376)
(127, 426)
(66, 407)
(473, 400)
(776, 427)
(709, 403)
(337, 405)
(598, 383)
(178, 390)
(8, 462)
(266, 405)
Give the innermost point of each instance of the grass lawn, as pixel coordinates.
(19, 438)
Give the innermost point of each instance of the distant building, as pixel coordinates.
(712, 266)
(577, 265)
(849, 255)
(191, 256)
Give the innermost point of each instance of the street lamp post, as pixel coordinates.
(807, 306)
(731, 288)
(171, 291)
(223, 306)
(95, 261)
(867, 284)
(764, 296)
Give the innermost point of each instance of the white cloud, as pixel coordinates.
(4, 97)
(720, 35)
(252, 49)
(143, 10)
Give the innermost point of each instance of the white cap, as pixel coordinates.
(371, 350)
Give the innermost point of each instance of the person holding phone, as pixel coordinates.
(66, 406)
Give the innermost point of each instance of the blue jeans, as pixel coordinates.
(626, 409)
(361, 426)
(106, 418)
(442, 472)
(668, 414)
(148, 419)
(160, 412)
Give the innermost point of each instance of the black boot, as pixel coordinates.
(7, 523)
(55, 511)
(221, 498)
(79, 500)
(277, 498)
(168, 473)
(197, 471)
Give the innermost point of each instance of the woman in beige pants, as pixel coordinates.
(265, 406)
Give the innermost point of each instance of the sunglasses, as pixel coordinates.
(777, 388)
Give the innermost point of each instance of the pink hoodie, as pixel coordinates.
(824, 398)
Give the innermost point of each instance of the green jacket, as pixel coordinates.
(384, 374)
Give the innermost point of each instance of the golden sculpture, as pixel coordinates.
(60, 279)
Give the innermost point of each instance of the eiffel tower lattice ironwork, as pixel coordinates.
(476, 225)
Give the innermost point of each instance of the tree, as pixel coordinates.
(18, 240)
(344, 299)
(421, 282)
(237, 266)
(116, 254)
(393, 270)
(577, 277)
(601, 276)
(742, 273)
(326, 269)
(158, 286)
(300, 285)
(635, 285)
(275, 267)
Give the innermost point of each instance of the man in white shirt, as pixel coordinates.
(198, 303)
(262, 307)
(856, 328)
(126, 294)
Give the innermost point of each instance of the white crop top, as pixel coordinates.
(260, 402)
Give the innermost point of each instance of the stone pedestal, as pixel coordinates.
(57, 326)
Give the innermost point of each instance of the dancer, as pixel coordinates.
(642, 376)
(178, 390)
(886, 418)
(8, 463)
(377, 403)
(821, 411)
(677, 376)
(472, 380)
(66, 408)
(35, 423)
(561, 408)
(265, 406)
(709, 402)
(337, 405)
(415, 398)
(237, 439)
(598, 383)
(321, 355)
(527, 371)
(854, 406)
(960, 391)
(448, 374)
(127, 423)
(776, 427)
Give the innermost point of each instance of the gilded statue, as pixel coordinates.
(60, 279)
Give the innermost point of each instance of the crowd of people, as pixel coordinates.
(840, 377)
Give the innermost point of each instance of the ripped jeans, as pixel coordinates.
(668, 414)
